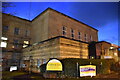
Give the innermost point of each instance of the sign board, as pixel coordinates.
(87, 70)
(12, 68)
(107, 57)
(54, 65)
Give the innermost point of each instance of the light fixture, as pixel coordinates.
(115, 54)
(4, 38)
(111, 47)
(26, 42)
(3, 44)
(25, 46)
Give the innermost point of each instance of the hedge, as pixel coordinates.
(70, 66)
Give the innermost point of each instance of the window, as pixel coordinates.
(16, 43)
(27, 32)
(3, 44)
(72, 33)
(44, 61)
(64, 31)
(26, 43)
(38, 62)
(90, 38)
(5, 28)
(79, 35)
(85, 37)
(16, 31)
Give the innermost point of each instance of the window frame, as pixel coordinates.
(72, 33)
(85, 37)
(79, 35)
(64, 30)
(16, 31)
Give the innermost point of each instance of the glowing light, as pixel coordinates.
(111, 47)
(54, 65)
(12, 68)
(4, 38)
(3, 44)
(25, 46)
(26, 42)
(115, 54)
(107, 57)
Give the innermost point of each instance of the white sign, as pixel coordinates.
(87, 70)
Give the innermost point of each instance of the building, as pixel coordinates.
(103, 50)
(51, 23)
(15, 36)
(50, 35)
(58, 47)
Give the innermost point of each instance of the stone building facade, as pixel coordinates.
(52, 23)
(103, 50)
(15, 36)
(58, 47)
(42, 34)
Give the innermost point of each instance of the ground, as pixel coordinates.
(17, 75)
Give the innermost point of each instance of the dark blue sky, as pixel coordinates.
(100, 15)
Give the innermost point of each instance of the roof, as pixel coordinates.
(103, 41)
(16, 17)
(55, 11)
(63, 15)
(60, 37)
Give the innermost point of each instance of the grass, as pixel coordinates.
(8, 75)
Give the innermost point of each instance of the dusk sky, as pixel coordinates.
(102, 16)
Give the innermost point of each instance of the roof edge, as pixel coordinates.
(60, 37)
(16, 17)
(63, 15)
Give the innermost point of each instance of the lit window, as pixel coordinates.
(3, 44)
(4, 38)
(111, 47)
(115, 54)
(64, 31)
(16, 31)
(72, 33)
(26, 43)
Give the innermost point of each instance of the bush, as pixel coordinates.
(70, 66)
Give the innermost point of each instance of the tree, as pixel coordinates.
(6, 5)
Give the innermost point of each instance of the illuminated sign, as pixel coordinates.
(54, 65)
(12, 68)
(87, 70)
